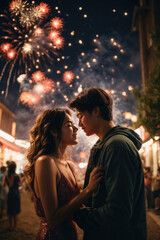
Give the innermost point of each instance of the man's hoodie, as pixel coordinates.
(123, 131)
(117, 207)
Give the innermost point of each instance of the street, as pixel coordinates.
(28, 223)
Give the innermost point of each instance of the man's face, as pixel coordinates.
(88, 122)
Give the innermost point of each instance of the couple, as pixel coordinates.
(111, 205)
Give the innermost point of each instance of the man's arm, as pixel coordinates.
(120, 175)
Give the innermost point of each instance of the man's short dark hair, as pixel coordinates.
(93, 97)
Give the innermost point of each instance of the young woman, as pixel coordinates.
(13, 197)
(51, 177)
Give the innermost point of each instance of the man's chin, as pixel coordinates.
(88, 134)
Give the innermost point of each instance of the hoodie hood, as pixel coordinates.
(119, 130)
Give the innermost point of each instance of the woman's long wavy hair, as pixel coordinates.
(45, 138)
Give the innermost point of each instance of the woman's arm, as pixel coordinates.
(46, 176)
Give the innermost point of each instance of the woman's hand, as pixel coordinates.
(95, 177)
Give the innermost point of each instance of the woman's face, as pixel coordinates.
(68, 132)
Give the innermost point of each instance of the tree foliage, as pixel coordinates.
(148, 98)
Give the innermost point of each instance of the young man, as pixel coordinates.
(116, 211)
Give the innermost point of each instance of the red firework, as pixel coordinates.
(57, 23)
(68, 77)
(53, 35)
(58, 42)
(13, 5)
(44, 9)
(29, 98)
(38, 32)
(11, 54)
(5, 47)
(38, 76)
(48, 85)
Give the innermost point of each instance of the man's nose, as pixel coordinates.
(75, 129)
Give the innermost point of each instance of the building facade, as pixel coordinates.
(11, 149)
(146, 20)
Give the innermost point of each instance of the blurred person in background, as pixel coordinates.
(3, 193)
(148, 189)
(156, 190)
(12, 180)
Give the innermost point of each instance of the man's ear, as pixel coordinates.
(96, 111)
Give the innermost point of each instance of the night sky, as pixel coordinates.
(102, 51)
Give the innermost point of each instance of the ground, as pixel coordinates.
(28, 223)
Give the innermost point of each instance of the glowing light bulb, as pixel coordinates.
(124, 94)
(115, 57)
(130, 88)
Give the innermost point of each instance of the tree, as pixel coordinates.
(148, 98)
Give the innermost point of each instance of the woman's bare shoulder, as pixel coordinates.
(45, 161)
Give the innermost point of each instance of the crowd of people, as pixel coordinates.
(152, 189)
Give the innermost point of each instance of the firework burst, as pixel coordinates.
(42, 82)
(28, 42)
(38, 76)
(68, 77)
(57, 23)
(17, 6)
(11, 54)
(58, 42)
(54, 35)
(44, 9)
(38, 32)
(48, 85)
(5, 47)
(29, 98)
